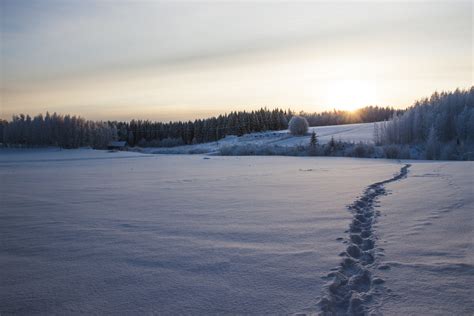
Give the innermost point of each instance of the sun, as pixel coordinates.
(350, 94)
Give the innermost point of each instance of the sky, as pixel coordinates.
(184, 60)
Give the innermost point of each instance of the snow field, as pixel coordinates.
(173, 234)
(88, 231)
(427, 233)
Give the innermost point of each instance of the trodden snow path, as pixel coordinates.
(353, 285)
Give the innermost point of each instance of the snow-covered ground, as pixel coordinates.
(427, 231)
(55, 154)
(363, 132)
(88, 231)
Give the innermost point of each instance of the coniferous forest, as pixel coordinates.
(439, 127)
(442, 124)
(70, 131)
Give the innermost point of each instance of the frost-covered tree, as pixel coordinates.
(298, 125)
(432, 145)
(367, 114)
(443, 125)
(57, 130)
(449, 113)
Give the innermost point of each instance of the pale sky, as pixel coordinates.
(183, 60)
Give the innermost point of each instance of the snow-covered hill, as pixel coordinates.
(350, 132)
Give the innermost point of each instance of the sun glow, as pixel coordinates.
(350, 94)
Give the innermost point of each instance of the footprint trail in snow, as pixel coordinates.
(353, 285)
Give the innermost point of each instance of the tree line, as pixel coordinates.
(73, 131)
(56, 130)
(442, 125)
(148, 133)
(366, 114)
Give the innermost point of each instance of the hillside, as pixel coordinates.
(349, 133)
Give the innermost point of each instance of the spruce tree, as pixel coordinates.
(313, 144)
(314, 139)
